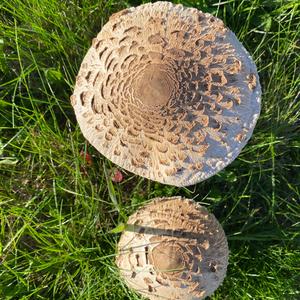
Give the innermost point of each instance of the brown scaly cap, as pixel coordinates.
(172, 249)
(168, 93)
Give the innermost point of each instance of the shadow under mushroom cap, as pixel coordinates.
(168, 93)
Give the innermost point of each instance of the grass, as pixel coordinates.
(58, 210)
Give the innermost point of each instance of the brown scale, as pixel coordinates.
(200, 294)
(87, 114)
(226, 104)
(171, 172)
(132, 132)
(134, 30)
(97, 43)
(239, 137)
(117, 152)
(164, 161)
(83, 99)
(162, 147)
(133, 46)
(172, 138)
(137, 163)
(80, 80)
(118, 15)
(108, 58)
(144, 154)
(108, 136)
(112, 131)
(197, 166)
(251, 81)
(125, 41)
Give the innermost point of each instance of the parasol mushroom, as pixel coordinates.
(168, 93)
(173, 248)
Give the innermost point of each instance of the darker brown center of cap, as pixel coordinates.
(153, 86)
(167, 258)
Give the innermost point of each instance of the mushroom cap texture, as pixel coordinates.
(173, 248)
(168, 93)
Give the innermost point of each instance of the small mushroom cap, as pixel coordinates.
(173, 248)
(168, 93)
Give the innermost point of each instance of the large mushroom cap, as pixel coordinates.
(168, 93)
(173, 248)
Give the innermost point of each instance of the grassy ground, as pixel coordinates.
(57, 209)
